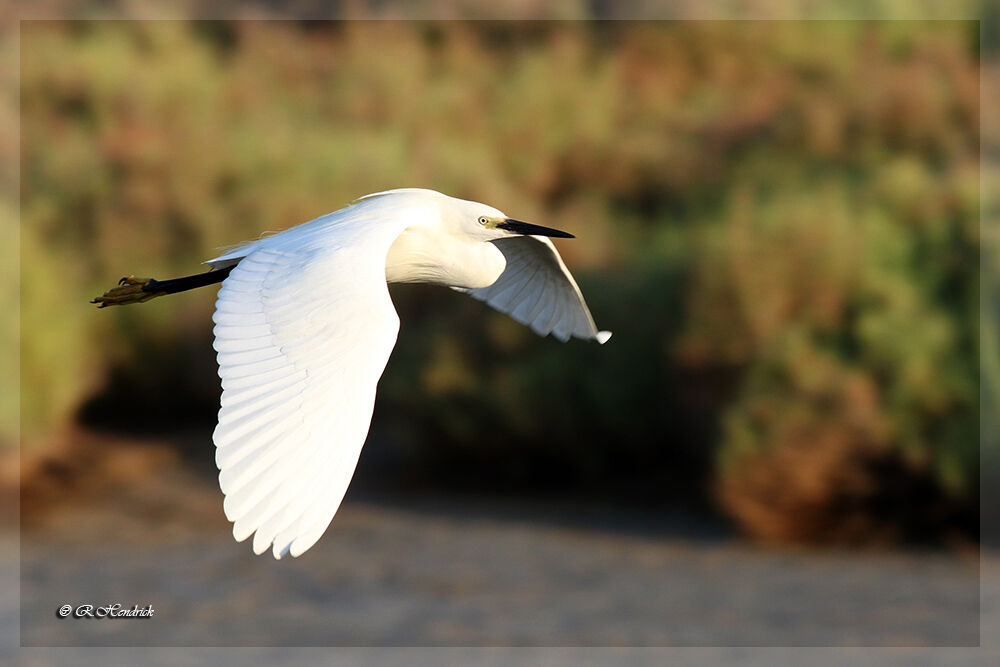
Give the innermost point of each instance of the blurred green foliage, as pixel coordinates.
(779, 221)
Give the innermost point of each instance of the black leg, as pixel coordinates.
(136, 290)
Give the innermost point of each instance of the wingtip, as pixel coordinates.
(603, 336)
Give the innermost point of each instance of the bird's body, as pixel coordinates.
(422, 254)
(419, 256)
(304, 327)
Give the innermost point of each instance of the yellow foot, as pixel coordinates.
(129, 290)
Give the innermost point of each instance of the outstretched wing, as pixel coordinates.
(537, 290)
(304, 327)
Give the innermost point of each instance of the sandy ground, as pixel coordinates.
(436, 572)
(445, 571)
(394, 578)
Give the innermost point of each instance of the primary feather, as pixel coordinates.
(537, 290)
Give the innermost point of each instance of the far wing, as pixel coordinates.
(304, 328)
(537, 290)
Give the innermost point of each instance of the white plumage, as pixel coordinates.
(537, 290)
(304, 327)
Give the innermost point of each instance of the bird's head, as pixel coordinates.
(500, 226)
(486, 223)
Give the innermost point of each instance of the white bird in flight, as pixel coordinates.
(304, 327)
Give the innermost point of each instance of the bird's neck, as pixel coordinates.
(418, 256)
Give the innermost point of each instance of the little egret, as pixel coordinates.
(304, 327)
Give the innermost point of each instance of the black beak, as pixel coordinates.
(527, 228)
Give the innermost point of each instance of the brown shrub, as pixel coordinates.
(823, 468)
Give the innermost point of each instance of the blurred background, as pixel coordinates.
(778, 220)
